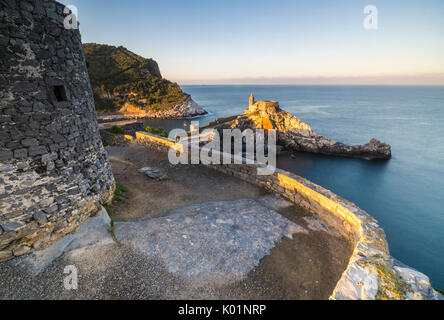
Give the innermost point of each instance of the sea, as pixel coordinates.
(405, 194)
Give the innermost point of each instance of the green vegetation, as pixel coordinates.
(111, 66)
(439, 290)
(119, 193)
(111, 231)
(119, 197)
(109, 209)
(117, 130)
(119, 76)
(151, 94)
(390, 285)
(158, 131)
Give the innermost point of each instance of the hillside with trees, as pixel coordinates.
(120, 77)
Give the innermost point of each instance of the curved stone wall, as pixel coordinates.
(371, 273)
(54, 171)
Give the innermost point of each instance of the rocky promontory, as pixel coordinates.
(296, 135)
(185, 109)
(128, 86)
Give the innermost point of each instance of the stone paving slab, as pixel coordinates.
(224, 238)
(213, 250)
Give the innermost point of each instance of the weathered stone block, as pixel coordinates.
(61, 53)
(12, 226)
(6, 238)
(24, 87)
(29, 142)
(26, 6)
(51, 209)
(5, 255)
(38, 106)
(22, 165)
(13, 145)
(37, 150)
(6, 168)
(4, 40)
(19, 251)
(6, 155)
(40, 217)
(20, 153)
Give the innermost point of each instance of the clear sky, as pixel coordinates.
(275, 42)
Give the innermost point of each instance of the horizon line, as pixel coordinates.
(311, 84)
(422, 79)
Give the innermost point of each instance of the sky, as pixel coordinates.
(275, 42)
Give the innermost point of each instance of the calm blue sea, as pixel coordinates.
(406, 194)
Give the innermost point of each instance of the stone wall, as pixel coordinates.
(109, 138)
(160, 143)
(371, 273)
(54, 171)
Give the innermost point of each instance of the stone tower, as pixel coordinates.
(251, 100)
(54, 171)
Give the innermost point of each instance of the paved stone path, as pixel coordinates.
(204, 251)
(224, 239)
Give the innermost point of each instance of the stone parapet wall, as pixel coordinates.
(162, 144)
(109, 138)
(54, 171)
(371, 273)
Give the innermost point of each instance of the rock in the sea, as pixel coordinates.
(296, 135)
(188, 108)
(314, 143)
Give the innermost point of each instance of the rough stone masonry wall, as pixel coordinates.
(371, 273)
(54, 171)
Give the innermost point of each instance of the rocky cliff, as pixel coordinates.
(129, 86)
(185, 109)
(296, 135)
